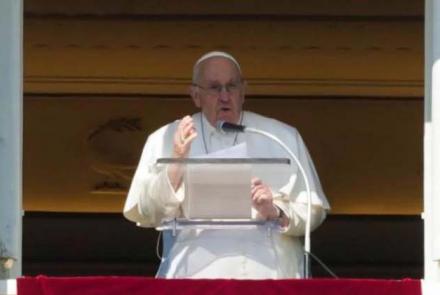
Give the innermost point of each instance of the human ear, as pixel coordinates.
(193, 91)
(243, 91)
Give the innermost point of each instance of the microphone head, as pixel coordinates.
(219, 125)
(229, 127)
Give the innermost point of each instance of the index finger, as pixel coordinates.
(256, 181)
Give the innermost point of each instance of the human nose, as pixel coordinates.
(224, 94)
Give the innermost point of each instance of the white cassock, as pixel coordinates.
(238, 253)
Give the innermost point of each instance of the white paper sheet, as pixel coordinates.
(236, 151)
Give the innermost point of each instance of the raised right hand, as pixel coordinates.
(183, 137)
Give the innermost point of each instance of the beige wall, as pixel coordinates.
(368, 152)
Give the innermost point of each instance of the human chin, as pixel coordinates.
(227, 116)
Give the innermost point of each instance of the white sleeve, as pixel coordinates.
(151, 196)
(292, 198)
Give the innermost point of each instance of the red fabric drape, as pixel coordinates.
(42, 285)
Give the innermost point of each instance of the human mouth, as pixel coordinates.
(225, 109)
(224, 113)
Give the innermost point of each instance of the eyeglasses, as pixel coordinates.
(216, 89)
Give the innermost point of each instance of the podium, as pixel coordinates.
(217, 197)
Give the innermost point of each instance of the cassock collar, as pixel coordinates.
(212, 131)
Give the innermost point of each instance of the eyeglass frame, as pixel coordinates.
(216, 90)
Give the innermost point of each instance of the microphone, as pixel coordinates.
(230, 127)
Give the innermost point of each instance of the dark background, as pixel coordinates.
(363, 246)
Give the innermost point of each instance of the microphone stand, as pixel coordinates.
(307, 244)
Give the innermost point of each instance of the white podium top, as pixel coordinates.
(226, 224)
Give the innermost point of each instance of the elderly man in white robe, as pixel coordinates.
(218, 89)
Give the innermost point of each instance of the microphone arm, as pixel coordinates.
(307, 244)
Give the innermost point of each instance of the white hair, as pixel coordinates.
(211, 55)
